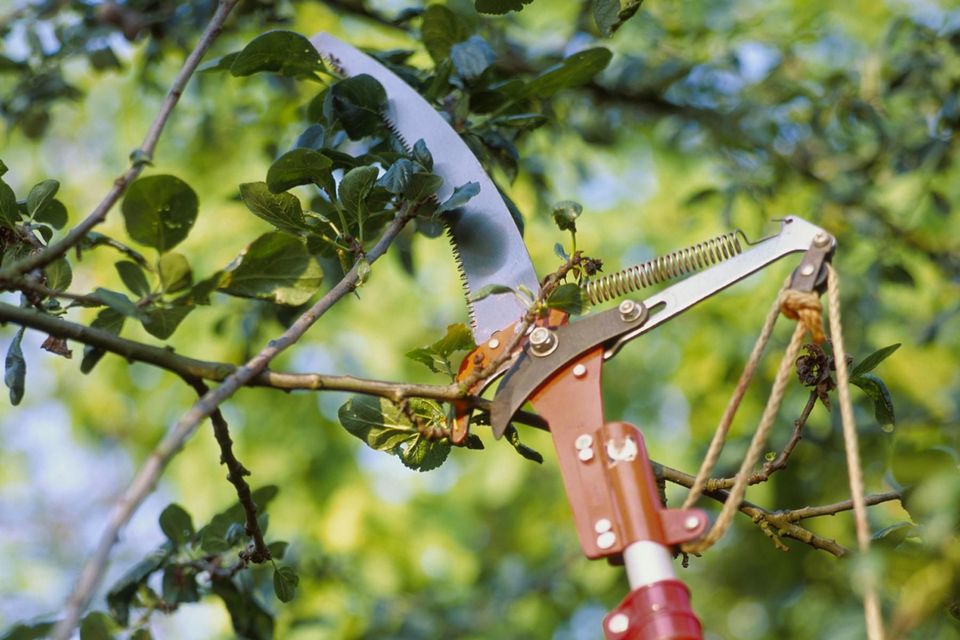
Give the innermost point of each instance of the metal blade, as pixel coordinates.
(487, 244)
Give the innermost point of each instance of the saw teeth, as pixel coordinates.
(461, 272)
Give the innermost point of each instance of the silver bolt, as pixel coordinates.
(618, 623)
(806, 270)
(494, 343)
(821, 238)
(585, 455)
(606, 539)
(583, 441)
(691, 523)
(602, 525)
(543, 342)
(579, 371)
(630, 310)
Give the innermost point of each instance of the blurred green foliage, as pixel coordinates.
(668, 122)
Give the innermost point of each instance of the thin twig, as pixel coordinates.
(764, 518)
(778, 463)
(148, 475)
(796, 515)
(236, 472)
(140, 157)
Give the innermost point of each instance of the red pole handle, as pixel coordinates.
(656, 611)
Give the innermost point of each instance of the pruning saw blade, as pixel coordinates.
(487, 245)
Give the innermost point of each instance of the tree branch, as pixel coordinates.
(235, 475)
(774, 525)
(148, 475)
(141, 156)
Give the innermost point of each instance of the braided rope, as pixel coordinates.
(871, 601)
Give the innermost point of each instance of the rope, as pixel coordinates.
(720, 435)
(804, 306)
(871, 602)
(732, 504)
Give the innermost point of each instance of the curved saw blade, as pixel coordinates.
(486, 242)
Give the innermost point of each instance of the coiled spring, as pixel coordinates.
(662, 268)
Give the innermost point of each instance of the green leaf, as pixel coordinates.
(487, 291)
(422, 155)
(565, 214)
(118, 302)
(358, 102)
(877, 391)
(894, 534)
(9, 211)
(354, 188)
(121, 594)
(499, 7)
(275, 267)
(285, 581)
(521, 121)
(363, 271)
(40, 196)
(873, 360)
(423, 186)
(107, 320)
(611, 14)
(460, 196)
(58, 274)
(179, 585)
(384, 427)
(567, 297)
(133, 277)
(175, 273)
(396, 179)
(574, 71)
(15, 371)
(29, 631)
(440, 30)
(223, 63)
(176, 524)
(285, 52)
(297, 167)
(250, 620)
(423, 454)
(377, 422)
(278, 549)
(472, 57)
(282, 210)
(513, 437)
(159, 211)
(437, 356)
(96, 625)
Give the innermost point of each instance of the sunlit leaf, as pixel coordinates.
(873, 360)
(96, 625)
(40, 196)
(574, 71)
(275, 267)
(282, 210)
(58, 274)
(285, 52)
(175, 272)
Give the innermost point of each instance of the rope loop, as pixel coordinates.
(804, 306)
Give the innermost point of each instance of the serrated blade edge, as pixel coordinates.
(487, 245)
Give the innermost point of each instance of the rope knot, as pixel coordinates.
(804, 306)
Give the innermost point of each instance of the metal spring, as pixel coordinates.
(662, 268)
